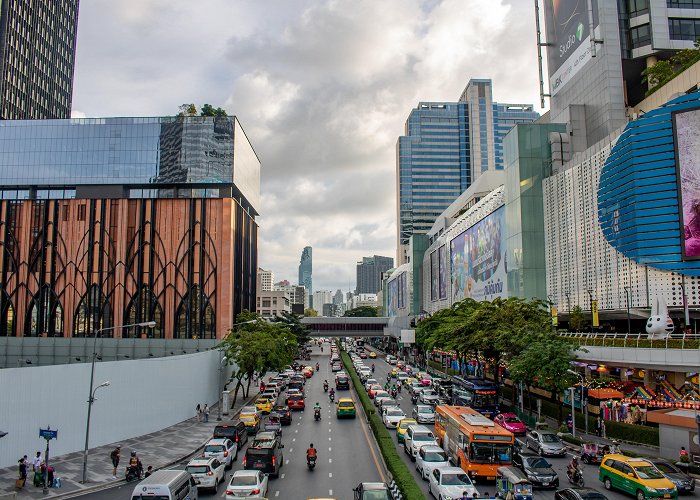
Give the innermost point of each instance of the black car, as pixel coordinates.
(684, 483)
(579, 494)
(342, 382)
(284, 414)
(235, 431)
(265, 455)
(538, 471)
(295, 383)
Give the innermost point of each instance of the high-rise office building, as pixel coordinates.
(369, 273)
(447, 146)
(265, 279)
(338, 298)
(115, 245)
(37, 58)
(305, 270)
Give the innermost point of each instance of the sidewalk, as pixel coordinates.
(160, 449)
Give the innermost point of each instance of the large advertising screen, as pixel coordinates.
(478, 260)
(569, 38)
(686, 125)
(396, 295)
(442, 272)
(434, 275)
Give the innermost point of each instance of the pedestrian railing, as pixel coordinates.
(638, 340)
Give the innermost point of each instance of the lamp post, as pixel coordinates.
(91, 393)
(222, 363)
(590, 295)
(584, 403)
(627, 294)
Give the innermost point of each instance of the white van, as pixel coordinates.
(166, 485)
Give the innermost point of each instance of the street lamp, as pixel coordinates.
(222, 363)
(584, 403)
(3, 434)
(627, 294)
(91, 393)
(590, 294)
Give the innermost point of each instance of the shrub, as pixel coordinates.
(399, 471)
(571, 439)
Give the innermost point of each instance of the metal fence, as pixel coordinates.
(637, 340)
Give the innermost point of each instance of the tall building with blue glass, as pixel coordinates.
(446, 147)
(305, 272)
(107, 222)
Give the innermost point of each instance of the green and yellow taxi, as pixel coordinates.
(264, 405)
(402, 426)
(636, 477)
(394, 372)
(345, 408)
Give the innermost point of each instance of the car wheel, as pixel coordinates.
(607, 483)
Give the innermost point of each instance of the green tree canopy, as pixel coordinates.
(576, 319)
(310, 313)
(209, 110)
(362, 312)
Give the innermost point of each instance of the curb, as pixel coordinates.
(119, 482)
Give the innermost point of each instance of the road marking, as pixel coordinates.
(281, 476)
(286, 461)
(277, 493)
(291, 450)
(329, 448)
(329, 438)
(329, 430)
(296, 430)
(330, 474)
(330, 493)
(294, 439)
(330, 460)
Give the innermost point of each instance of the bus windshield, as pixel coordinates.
(488, 453)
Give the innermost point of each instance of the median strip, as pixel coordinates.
(399, 471)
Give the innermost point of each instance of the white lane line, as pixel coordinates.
(294, 439)
(298, 423)
(330, 474)
(330, 493)
(329, 448)
(281, 476)
(329, 438)
(330, 460)
(329, 430)
(277, 493)
(291, 450)
(286, 461)
(296, 430)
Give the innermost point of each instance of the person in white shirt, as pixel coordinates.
(36, 462)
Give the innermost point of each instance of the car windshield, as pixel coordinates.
(395, 413)
(375, 495)
(423, 436)
(213, 448)
(429, 392)
(538, 463)
(487, 453)
(456, 479)
(346, 405)
(664, 467)
(435, 456)
(512, 420)
(249, 409)
(425, 409)
(648, 472)
(197, 469)
(549, 438)
(296, 397)
(244, 481)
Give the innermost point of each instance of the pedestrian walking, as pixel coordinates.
(205, 412)
(36, 461)
(598, 426)
(199, 412)
(570, 423)
(22, 479)
(114, 457)
(602, 428)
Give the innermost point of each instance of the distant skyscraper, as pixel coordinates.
(369, 273)
(37, 58)
(265, 279)
(338, 298)
(305, 270)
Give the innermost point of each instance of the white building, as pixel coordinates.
(272, 303)
(265, 280)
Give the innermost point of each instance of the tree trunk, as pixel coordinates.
(235, 393)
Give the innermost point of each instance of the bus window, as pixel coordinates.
(489, 453)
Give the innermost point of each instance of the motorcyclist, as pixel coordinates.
(325, 386)
(332, 394)
(372, 367)
(572, 468)
(317, 366)
(311, 453)
(135, 464)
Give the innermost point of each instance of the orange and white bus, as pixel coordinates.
(476, 444)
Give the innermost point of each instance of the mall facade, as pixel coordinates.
(107, 222)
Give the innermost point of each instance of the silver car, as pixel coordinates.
(450, 482)
(546, 443)
(424, 414)
(429, 458)
(428, 397)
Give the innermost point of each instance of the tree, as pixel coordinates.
(362, 312)
(293, 323)
(187, 110)
(576, 319)
(209, 110)
(310, 313)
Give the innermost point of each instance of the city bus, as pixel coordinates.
(473, 442)
(476, 393)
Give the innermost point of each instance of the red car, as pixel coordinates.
(296, 402)
(510, 422)
(374, 388)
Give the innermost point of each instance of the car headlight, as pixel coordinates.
(652, 490)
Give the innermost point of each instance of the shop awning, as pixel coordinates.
(605, 393)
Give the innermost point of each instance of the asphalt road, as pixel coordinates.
(347, 453)
(590, 472)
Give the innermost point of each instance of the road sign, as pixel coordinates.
(48, 434)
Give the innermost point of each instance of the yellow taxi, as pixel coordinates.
(636, 477)
(251, 422)
(345, 408)
(373, 355)
(394, 372)
(409, 381)
(402, 426)
(264, 405)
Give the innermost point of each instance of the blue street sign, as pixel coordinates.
(48, 434)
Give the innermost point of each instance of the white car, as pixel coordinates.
(402, 377)
(450, 482)
(428, 397)
(369, 382)
(429, 458)
(379, 396)
(390, 359)
(392, 416)
(415, 438)
(223, 448)
(424, 414)
(247, 483)
(210, 472)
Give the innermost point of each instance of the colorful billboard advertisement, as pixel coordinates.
(442, 272)
(434, 275)
(396, 295)
(478, 260)
(686, 125)
(569, 38)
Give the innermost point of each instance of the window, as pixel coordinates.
(640, 36)
(683, 4)
(81, 212)
(684, 29)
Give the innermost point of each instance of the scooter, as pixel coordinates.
(414, 399)
(317, 414)
(132, 473)
(575, 477)
(331, 396)
(311, 463)
(325, 387)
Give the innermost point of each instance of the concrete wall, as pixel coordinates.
(144, 396)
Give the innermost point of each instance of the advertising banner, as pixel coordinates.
(408, 336)
(594, 311)
(686, 127)
(434, 276)
(478, 260)
(569, 38)
(442, 272)
(402, 290)
(392, 298)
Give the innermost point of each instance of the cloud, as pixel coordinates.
(323, 89)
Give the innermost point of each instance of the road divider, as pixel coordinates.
(399, 470)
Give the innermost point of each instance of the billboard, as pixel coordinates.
(442, 272)
(569, 38)
(478, 260)
(396, 295)
(434, 275)
(686, 127)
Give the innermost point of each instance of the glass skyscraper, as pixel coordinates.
(37, 58)
(305, 270)
(369, 273)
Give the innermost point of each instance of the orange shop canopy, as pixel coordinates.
(605, 393)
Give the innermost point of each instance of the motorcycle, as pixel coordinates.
(325, 387)
(393, 393)
(311, 462)
(575, 476)
(331, 396)
(414, 399)
(317, 414)
(133, 473)
(317, 367)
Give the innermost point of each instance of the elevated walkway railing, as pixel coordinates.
(636, 340)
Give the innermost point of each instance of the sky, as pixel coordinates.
(322, 89)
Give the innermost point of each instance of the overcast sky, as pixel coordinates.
(322, 88)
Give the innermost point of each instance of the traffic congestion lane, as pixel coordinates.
(346, 454)
(590, 472)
